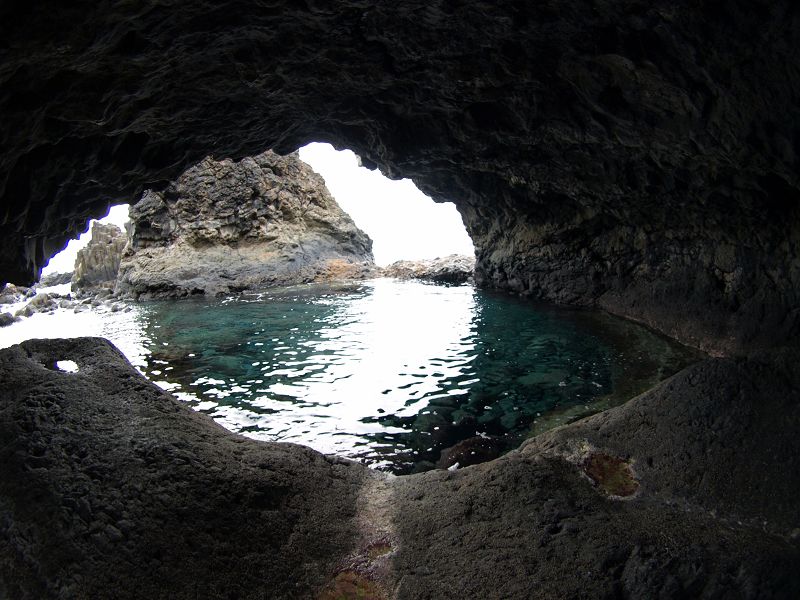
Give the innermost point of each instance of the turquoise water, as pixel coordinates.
(392, 373)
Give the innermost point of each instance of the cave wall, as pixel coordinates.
(640, 156)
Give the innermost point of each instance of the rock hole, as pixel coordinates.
(68, 366)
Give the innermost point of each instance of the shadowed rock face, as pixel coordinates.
(637, 155)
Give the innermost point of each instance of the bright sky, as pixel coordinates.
(402, 221)
(64, 261)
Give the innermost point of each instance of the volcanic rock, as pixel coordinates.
(449, 269)
(109, 483)
(97, 264)
(55, 279)
(118, 490)
(639, 156)
(229, 226)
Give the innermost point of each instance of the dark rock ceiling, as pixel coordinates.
(640, 156)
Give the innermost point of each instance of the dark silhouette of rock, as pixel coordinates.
(109, 483)
(229, 226)
(640, 156)
(97, 264)
(449, 269)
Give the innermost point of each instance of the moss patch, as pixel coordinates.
(611, 474)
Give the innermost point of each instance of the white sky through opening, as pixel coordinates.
(403, 222)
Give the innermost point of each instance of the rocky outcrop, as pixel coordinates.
(449, 269)
(97, 264)
(229, 226)
(641, 156)
(109, 483)
(148, 498)
(56, 279)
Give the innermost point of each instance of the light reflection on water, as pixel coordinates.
(393, 372)
(384, 371)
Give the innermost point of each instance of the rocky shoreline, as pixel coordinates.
(116, 485)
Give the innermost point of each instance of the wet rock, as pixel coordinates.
(11, 293)
(226, 226)
(97, 264)
(471, 451)
(449, 269)
(41, 303)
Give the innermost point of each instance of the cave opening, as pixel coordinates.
(403, 222)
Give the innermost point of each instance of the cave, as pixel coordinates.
(638, 157)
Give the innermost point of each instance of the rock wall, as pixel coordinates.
(97, 264)
(639, 155)
(228, 226)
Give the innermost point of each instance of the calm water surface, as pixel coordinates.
(390, 373)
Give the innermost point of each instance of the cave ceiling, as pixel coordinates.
(537, 119)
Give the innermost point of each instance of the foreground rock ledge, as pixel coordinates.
(111, 488)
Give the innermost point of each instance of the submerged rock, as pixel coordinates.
(97, 264)
(227, 226)
(455, 268)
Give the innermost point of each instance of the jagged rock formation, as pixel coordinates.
(109, 483)
(448, 269)
(56, 279)
(228, 226)
(98, 263)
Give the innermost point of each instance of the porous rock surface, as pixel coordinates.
(637, 155)
(114, 489)
(111, 488)
(229, 226)
(97, 264)
(455, 268)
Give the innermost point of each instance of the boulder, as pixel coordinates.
(7, 319)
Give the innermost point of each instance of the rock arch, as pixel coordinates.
(636, 155)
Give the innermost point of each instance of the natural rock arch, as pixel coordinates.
(639, 155)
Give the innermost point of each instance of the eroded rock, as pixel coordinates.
(112, 488)
(454, 268)
(229, 226)
(97, 265)
(639, 156)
